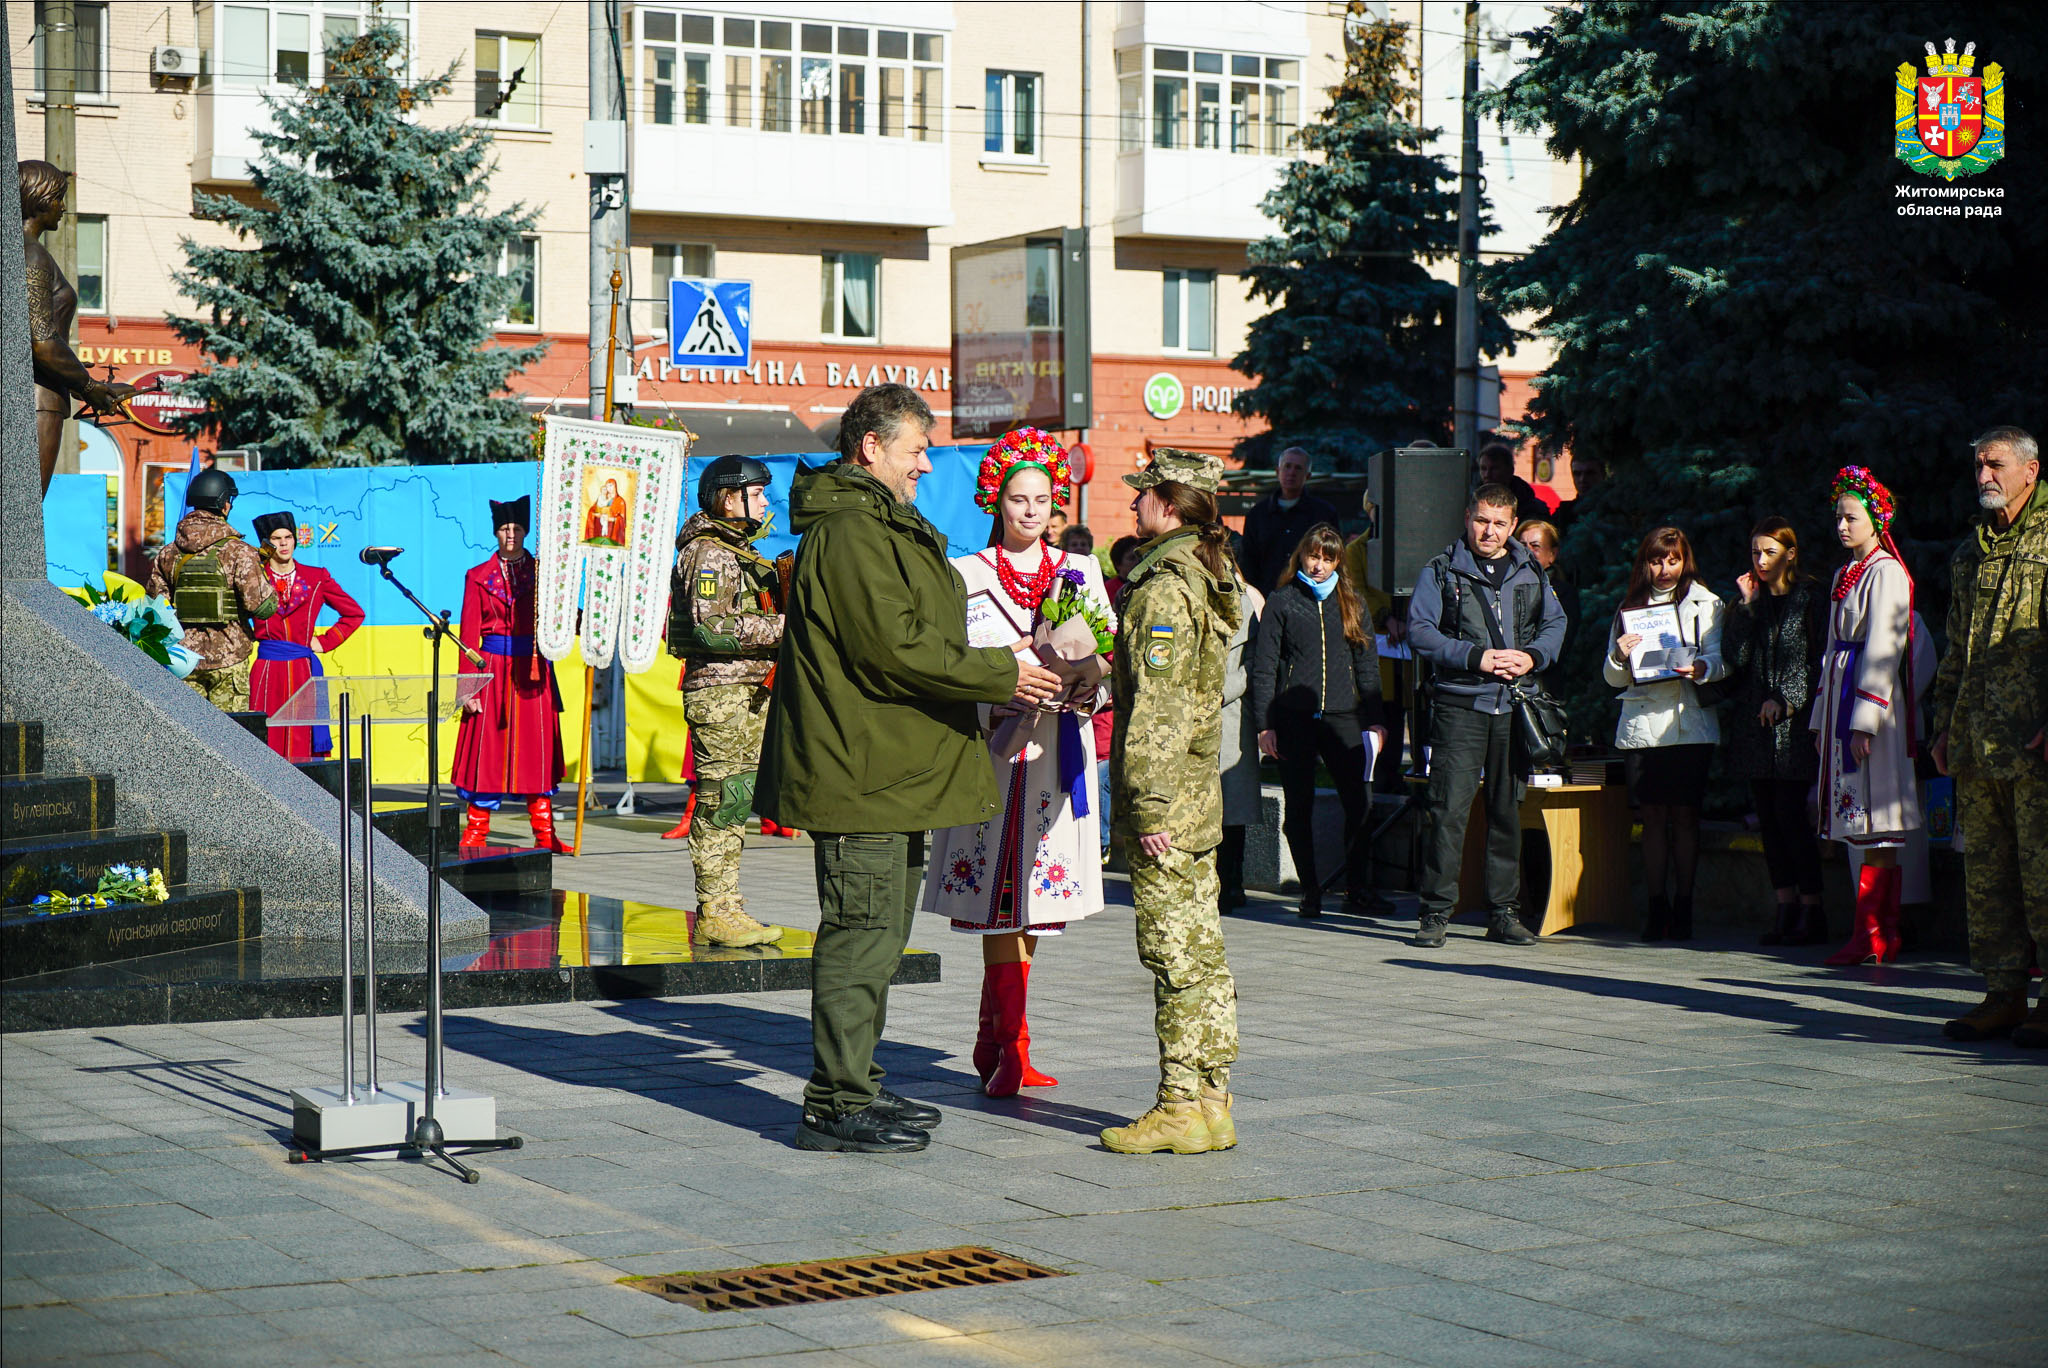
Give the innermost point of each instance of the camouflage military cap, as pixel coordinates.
(1196, 469)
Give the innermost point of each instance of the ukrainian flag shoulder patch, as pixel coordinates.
(1159, 648)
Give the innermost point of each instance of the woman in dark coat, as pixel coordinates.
(1315, 692)
(1775, 631)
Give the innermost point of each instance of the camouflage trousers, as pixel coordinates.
(726, 724)
(226, 688)
(1180, 939)
(2005, 872)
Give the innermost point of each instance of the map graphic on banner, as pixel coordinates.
(605, 524)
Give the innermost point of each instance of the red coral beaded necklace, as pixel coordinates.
(1026, 591)
(1855, 573)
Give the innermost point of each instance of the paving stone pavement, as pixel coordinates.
(1589, 1151)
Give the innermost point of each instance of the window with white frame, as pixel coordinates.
(258, 45)
(522, 257)
(89, 47)
(850, 296)
(508, 78)
(682, 261)
(91, 278)
(1188, 314)
(1012, 115)
(783, 76)
(1218, 101)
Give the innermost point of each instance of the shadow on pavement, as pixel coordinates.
(715, 1052)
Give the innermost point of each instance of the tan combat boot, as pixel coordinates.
(2032, 1034)
(720, 923)
(1216, 1115)
(1995, 1016)
(1176, 1126)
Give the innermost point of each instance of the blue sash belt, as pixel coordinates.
(1845, 701)
(1074, 768)
(502, 644)
(323, 740)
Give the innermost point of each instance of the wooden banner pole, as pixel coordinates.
(611, 369)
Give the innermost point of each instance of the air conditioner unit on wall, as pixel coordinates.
(167, 60)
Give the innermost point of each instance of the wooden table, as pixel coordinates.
(1577, 872)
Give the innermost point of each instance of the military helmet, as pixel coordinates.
(211, 490)
(728, 472)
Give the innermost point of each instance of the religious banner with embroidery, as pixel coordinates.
(604, 532)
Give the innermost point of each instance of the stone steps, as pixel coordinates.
(33, 942)
(21, 748)
(52, 804)
(73, 861)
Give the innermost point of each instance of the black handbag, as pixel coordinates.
(1542, 725)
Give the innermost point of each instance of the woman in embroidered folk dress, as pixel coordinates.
(1036, 866)
(1863, 714)
(288, 644)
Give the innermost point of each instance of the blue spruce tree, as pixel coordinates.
(355, 331)
(1356, 354)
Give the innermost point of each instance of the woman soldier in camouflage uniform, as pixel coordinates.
(723, 624)
(1180, 608)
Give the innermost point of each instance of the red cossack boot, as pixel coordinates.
(985, 1051)
(1032, 1077)
(541, 813)
(682, 829)
(1884, 937)
(476, 828)
(1870, 886)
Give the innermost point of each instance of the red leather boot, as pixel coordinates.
(682, 829)
(1870, 884)
(1007, 982)
(985, 1050)
(1884, 936)
(1032, 1077)
(541, 813)
(476, 828)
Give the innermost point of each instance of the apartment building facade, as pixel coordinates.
(834, 154)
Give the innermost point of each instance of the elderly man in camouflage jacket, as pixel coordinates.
(724, 624)
(216, 583)
(1180, 608)
(1990, 707)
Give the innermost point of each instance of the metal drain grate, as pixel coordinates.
(740, 1289)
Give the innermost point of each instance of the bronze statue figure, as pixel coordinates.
(52, 303)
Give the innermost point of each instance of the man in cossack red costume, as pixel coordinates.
(510, 742)
(288, 646)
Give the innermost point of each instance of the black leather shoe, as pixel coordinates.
(1509, 928)
(916, 1115)
(1430, 934)
(862, 1132)
(1311, 904)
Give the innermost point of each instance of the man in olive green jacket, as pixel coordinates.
(1990, 706)
(873, 739)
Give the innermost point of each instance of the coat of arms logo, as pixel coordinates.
(1950, 122)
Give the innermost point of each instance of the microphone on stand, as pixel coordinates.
(379, 555)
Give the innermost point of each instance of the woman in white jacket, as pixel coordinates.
(1667, 735)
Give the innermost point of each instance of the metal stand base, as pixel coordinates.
(323, 1120)
(401, 1127)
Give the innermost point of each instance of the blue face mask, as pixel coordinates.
(1321, 590)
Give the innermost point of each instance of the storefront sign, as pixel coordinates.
(778, 372)
(1164, 395)
(158, 410)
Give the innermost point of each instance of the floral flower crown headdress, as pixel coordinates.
(1862, 484)
(1026, 446)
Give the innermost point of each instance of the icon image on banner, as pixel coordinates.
(607, 496)
(1951, 121)
(1164, 395)
(711, 323)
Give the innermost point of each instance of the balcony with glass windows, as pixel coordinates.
(250, 51)
(782, 119)
(1202, 136)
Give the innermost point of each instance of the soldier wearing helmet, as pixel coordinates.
(217, 585)
(725, 623)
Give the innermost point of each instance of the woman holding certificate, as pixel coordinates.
(1863, 714)
(1665, 643)
(1035, 866)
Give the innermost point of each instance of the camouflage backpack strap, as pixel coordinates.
(201, 595)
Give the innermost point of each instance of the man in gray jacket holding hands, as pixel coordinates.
(1483, 616)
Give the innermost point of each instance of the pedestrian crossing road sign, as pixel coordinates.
(711, 323)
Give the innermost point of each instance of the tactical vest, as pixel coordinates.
(201, 595)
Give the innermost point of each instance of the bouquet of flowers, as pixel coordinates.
(1070, 640)
(118, 884)
(148, 622)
